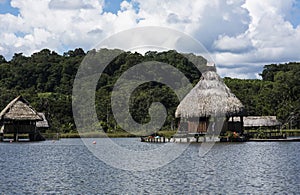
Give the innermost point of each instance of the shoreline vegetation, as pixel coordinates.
(257, 134)
(119, 134)
(163, 133)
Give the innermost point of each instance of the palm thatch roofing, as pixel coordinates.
(210, 97)
(19, 110)
(259, 121)
(44, 123)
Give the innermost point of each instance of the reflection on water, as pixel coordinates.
(67, 167)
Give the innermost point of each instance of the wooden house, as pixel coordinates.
(209, 108)
(19, 118)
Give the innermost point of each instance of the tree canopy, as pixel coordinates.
(46, 78)
(278, 93)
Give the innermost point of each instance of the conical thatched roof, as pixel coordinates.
(19, 109)
(210, 97)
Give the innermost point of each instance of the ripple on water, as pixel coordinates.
(67, 167)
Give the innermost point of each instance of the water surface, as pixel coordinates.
(68, 167)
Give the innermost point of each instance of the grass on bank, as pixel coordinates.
(117, 134)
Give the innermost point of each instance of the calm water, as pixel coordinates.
(68, 167)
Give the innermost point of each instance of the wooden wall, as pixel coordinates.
(19, 128)
(200, 126)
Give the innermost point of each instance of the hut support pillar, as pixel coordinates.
(242, 124)
(15, 137)
(2, 133)
(31, 137)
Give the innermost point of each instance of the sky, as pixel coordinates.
(241, 35)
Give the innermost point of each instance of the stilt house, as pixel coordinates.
(210, 107)
(17, 118)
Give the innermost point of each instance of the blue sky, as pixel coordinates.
(5, 7)
(295, 14)
(112, 6)
(241, 36)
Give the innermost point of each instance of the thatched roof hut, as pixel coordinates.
(18, 117)
(210, 97)
(259, 121)
(208, 107)
(19, 110)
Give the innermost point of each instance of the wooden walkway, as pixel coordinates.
(289, 139)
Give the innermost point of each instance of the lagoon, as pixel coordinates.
(68, 167)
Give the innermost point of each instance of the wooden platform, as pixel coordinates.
(180, 139)
(291, 139)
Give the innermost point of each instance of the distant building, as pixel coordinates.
(17, 118)
(256, 122)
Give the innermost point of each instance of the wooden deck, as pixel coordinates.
(289, 139)
(212, 139)
(180, 139)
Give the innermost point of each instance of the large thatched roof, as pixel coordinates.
(19, 109)
(210, 97)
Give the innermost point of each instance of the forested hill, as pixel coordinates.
(46, 78)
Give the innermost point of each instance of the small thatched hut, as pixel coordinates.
(209, 106)
(18, 117)
(255, 122)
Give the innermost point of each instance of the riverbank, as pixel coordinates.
(124, 134)
(119, 134)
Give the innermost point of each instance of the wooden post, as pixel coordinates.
(242, 123)
(2, 133)
(15, 137)
(31, 137)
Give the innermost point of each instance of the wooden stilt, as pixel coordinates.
(15, 137)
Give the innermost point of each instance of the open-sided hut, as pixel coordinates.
(256, 122)
(209, 106)
(18, 117)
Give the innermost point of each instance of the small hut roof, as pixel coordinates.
(210, 97)
(44, 123)
(259, 121)
(19, 109)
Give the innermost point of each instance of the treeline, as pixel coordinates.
(46, 79)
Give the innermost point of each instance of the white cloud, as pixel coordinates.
(237, 44)
(244, 32)
(270, 38)
(45, 23)
(66, 4)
